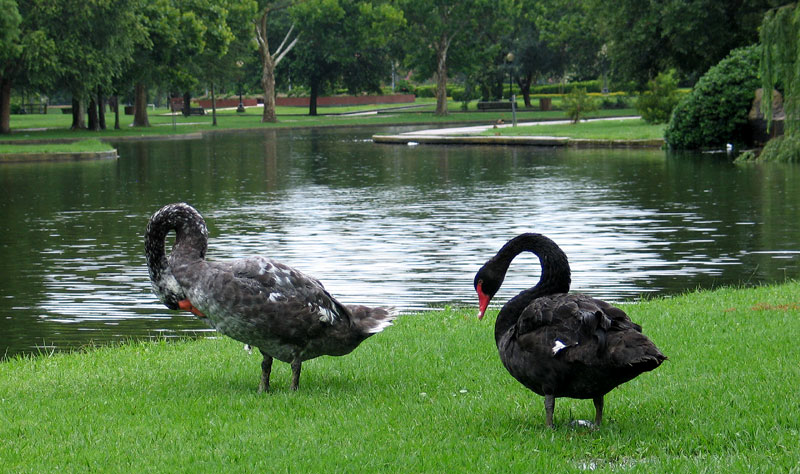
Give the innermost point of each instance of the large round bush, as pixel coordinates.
(715, 112)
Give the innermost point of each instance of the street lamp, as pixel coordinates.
(240, 108)
(509, 60)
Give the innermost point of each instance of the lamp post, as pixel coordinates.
(240, 108)
(510, 59)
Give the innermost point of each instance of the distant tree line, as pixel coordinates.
(94, 50)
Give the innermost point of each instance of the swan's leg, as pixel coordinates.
(266, 369)
(598, 410)
(296, 373)
(549, 406)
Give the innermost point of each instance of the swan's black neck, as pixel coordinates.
(555, 276)
(191, 242)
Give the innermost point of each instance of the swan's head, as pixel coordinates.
(487, 282)
(167, 289)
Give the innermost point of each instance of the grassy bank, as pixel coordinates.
(605, 129)
(55, 126)
(428, 395)
(82, 146)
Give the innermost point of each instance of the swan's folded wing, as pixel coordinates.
(278, 285)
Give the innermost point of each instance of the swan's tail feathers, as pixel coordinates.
(648, 362)
(372, 320)
(633, 350)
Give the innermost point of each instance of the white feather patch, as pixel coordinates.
(380, 326)
(558, 346)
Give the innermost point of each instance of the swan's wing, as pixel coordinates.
(280, 287)
(568, 325)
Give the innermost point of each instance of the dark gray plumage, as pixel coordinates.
(559, 344)
(286, 314)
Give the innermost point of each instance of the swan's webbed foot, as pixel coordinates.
(296, 373)
(266, 370)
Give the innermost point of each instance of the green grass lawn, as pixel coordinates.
(427, 395)
(55, 125)
(82, 146)
(635, 129)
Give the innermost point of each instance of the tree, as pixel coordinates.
(27, 52)
(780, 40)
(344, 41)
(10, 49)
(227, 39)
(172, 34)
(270, 59)
(436, 27)
(533, 56)
(568, 31)
(94, 48)
(645, 38)
(780, 69)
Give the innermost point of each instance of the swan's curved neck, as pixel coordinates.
(191, 242)
(555, 276)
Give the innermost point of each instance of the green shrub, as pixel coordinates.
(613, 102)
(655, 104)
(715, 112)
(589, 86)
(402, 86)
(428, 90)
(577, 103)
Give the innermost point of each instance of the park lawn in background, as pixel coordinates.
(57, 126)
(82, 146)
(427, 395)
(629, 129)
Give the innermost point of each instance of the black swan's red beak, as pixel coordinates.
(186, 305)
(483, 300)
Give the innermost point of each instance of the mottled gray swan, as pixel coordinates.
(287, 315)
(559, 344)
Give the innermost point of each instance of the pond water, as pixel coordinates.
(378, 224)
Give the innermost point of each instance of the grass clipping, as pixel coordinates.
(428, 394)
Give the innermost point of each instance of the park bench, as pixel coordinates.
(494, 105)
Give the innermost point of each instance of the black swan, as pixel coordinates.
(559, 344)
(287, 315)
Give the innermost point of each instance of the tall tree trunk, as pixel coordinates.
(94, 124)
(268, 84)
(269, 61)
(441, 75)
(101, 109)
(140, 106)
(213, 107)
(78, 114)
(114, 103)
(187, 104)
(524, 83)
(5, 105)
(312, 101)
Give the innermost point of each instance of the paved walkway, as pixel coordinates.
(469, 135)
(482, 128)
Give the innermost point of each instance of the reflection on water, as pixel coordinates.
(383, 225)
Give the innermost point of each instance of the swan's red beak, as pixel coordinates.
(483, 300)
(186, 305)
